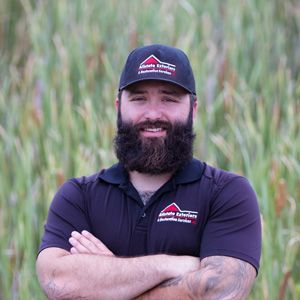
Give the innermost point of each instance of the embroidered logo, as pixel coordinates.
(172, 213)
(153, 65)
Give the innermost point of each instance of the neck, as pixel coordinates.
(148, 182)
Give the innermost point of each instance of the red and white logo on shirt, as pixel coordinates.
(172, 213)
(153, 65)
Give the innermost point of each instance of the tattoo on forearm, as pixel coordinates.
(228, 278)
(220, 278)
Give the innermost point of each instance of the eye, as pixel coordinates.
(169, 99)
(138, 99)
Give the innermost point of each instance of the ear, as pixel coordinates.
(117, 104)
(195, 107)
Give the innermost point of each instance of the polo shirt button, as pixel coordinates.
(144, 215)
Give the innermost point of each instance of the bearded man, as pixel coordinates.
(159, 223)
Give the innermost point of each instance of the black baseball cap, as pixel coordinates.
(158, 62)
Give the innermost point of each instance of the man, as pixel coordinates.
(159, 224)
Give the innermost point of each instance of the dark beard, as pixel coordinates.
(154, 155)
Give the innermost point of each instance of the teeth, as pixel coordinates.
(153, 129)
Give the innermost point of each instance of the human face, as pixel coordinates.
(155, 101)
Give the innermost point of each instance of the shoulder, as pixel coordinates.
(92, 185)
(86, 179)
(219, 177)
(105, 175)
(74, 189)
(227, 192)
(219, 181)
(77, 184)
(210, 181)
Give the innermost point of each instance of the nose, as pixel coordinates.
(153, 111)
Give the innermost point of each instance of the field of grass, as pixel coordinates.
(59, 68)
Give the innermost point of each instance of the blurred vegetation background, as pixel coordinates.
(60, 63)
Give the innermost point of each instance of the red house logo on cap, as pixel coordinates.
(153, 65)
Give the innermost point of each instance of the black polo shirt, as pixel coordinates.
(201, 211)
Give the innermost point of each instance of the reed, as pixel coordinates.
(59, 67)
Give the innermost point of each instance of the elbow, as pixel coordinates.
(53, 274)
(55, 285)
(57, 288)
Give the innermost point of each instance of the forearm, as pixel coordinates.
(188, 286)
(88, 276)
(221, 278)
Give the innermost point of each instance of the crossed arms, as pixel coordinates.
(91, 271)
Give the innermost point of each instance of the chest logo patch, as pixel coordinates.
(172, 213)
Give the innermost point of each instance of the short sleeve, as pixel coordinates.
(233, 227)
(67, 213)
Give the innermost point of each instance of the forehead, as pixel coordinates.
(157, 86)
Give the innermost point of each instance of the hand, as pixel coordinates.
(86, 243)
(185, 264)
(184, 275)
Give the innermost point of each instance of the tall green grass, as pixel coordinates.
(59, 68)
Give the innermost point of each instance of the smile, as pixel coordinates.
(153, 129)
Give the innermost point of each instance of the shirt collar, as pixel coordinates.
(192, 171)
(116, 174)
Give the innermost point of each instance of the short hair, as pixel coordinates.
(119, 96)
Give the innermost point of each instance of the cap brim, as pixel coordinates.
(156, 79)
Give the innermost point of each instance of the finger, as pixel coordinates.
(94, 240)
(78, 246)
(101, 246)
(85, 243)
(73, 251)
